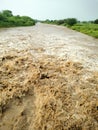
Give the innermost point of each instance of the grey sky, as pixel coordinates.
(53, 9)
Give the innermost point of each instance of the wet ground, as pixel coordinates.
(48, 79)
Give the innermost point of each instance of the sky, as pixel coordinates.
(83, 10)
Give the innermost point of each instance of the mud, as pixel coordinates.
(48, 79)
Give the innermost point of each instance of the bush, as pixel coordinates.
(96, 21)
(71, 21)
(8, 20)
(68, 22)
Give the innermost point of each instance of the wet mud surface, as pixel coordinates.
(48, 79)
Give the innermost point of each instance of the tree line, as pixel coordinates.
(68, 21)
(7, 19)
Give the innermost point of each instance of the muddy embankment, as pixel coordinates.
(48, 79)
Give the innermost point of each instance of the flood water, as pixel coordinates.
(58, 41)
(48, 79)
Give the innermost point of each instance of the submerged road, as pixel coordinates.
(44, 39)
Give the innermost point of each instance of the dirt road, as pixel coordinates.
(48, 79)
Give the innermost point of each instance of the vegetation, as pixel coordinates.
(68, 21)
(96, 21)
(7, 19)
(87, 28)
(71, 21)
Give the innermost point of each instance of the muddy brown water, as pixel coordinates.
(48, 79)
(51, 40)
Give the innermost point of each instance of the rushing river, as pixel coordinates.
(48, 79)
(51, 40)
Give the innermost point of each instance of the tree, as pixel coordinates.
(59, 22)
(71, 21)
(7, 13)
(7, 19)
(96, 21)
(2, 18)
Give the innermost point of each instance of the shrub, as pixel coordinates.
(8, 20)
(71, 21)
(96, 21)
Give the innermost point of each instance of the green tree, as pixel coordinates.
(7, 13)
(2, 17)
(71, 21)
(62, 21)
(8, 20)
(96, 21)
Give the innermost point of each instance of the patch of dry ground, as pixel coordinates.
(46, 93)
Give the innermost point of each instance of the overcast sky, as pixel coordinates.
(53, 9)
